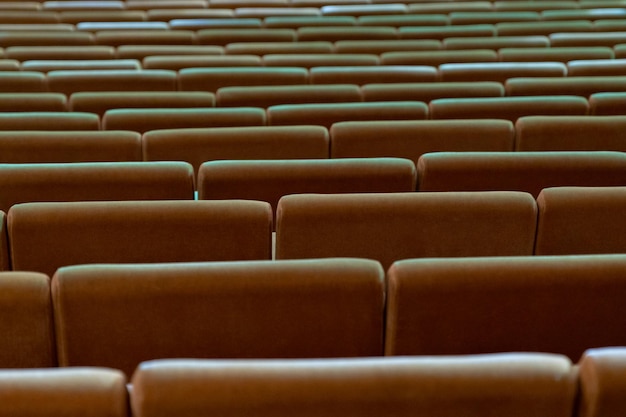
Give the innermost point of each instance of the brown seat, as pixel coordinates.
(596, 67)
(570, 133)
(373, 74)
(37, 392)
(381, 46)
(91, 64)
(178, 62)
(143, 120)
(326, 114)
(575, 85)
(579, 220)
(295, 22)
(340, 33)
(236, 143)
(210, 79)
(544, 28)
(533, 384)
(584, 13)
(287, 309)
(106, 181)
(261, 96)
(496, 42)
(359, 10)
(46, 236)
(215, 23)
(449, 7)
(494, 17)
(5, 260)
(226, 36)
(448, 31)
(602, 382)
(82, 5)
(535, 5)
(411, 139)
(519, 171)
(47, 38)
(26, 53)
(558, 304)
(388, 227)
(554, 54)
(145, 37)
(94, 27)
(142, 51)
(9, 64)
(73, 81)
(29, 17)
(29, 102)
(427, 92)
(319, 60)
(606, 104)
(401, 20)
(166, 4)
(177, 14)
(577, 39)
(22, 82)
(49, 121)
(265, 48)
(436, 58)
(500, 71)
(77, 16)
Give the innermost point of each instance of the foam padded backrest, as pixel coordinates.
(479, 305)
(5, 259)
(286, 309)
(49, 121)
(392, 226)
(472, 386)
(89, 392)
(26, 326)
(73, 81)
(45, 236)
(603, 382)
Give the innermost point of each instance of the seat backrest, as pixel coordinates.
(93, 392)
(373, 74)
(211, 79)
(26, 53)
(427, 92)
(578, 220)
(500, 71)
(287, 309)
(22, 82)
(602, 382)
(46, 236)
(266, 96)
(392, 226)
(49, 121)
(558, 304)
(606, 104)
(73, 81)
(474, 386)
(519, 171)
(95, 181)
(33, 102)
(26, 324)
(5, 258)
(583, 86)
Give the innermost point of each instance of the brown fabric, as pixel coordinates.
(27, 53)
(381, 46)
(430, 91)
(264, 48)
(178, 62)
(588, 39)
(45, 38)
(409, 139)
(211, 79)
(555, 54)
(77, 16)
(607, 104)
(226, 36)
(26, 327)
(91, 65)
(581, 220)
(436, 58)
(118, 316)
(373, 74)
(49, 121)
(69, 146)
(261, 96)
(142, 51)
(448, 31)
(542, 28)
(576, 86)
(508, 385)
(45, 236)
(496, 42)
(317, 60)
(333, 34)
(535, 304)
(5, 259)
(236, 143)
(73, 81)
(145, 37)
(570, 133)
(393, 226)
(22, 82)
(499, 71)
(519, 171)
(602, 383)
(596, 68)
(87, 392)
(39, 102)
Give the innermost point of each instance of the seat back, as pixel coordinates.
(602, 382)
(49, 121)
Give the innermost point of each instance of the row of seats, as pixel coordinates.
(510, 385)
(43, 236)
(322, 308)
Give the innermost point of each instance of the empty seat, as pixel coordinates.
(596, 67)
(69, 146)
(77, 16)
(100, 102)
(47, 38)
(543, 28)
(610, 25)
(38, 392)
(226, 36)
(339, 33)
(576, 39)
(443, 32)
(603, 104)
(241, 143)
(294, 22)
(581, 220)
(164, 15)
(364, 9)
(49, 121)
(92, 64)
(533, 384)
(554, 54)
(263, 48)
(144, 37)
(570, 133)
(430, 91)
(494, 17)
(26, 53)
(328, 113)
(210, 79)
(560, 304)
(411, 139)
(122, 25)
(509, 108)
(602, 382)
(105, 181)
(436, 58)
(392, 226)
(39, 102)
(142, 51)
(288, 309)
(22, 82)
(26, 324)
(373, 74)
(318, 60)
(82, 5)
(399, 20)
(519, 171)
(382, 46)
(233, 4)
(73, 81)
(497, 42)
(500, 71)
(584, 13)
(46, 236)
(178, 62)
(143, 120)
(263, 12)
(574, 85)
(5, 261)
(620, 50)
(449, 7)
(260, 96)
(33, 27)
(165, 4)
(29, 17)
(9, 64)
(215, 23)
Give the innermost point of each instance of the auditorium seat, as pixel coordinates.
(326, 114)
(588, 14)
(575, 85)
(261, 96)
(143, 120)
(100, 102)
(95, 392)
(100, 181)
(554, 54)
(21, 5)
(33, 27)
(579, 220)
(26, 323)
(166, 4)
(443, 32)
(447, 7)
(58, 6)
(196, 146)
(74, 17)
(142, 51)
(411, 139)
(264, 48)
(496, 42)
(294, 22)
(494, 17)
(620, 50)
(576, 39)
(340, 33)
(500, 71)
(602, 382)
(211, 79)
(399, 20)
(429, 91)
(215, 23)
(392, 226)
(80, 64)
(26, 53)
(73, 81)
(46, 236)
(606, 104)
(18, 147)
(144, 37)
(94, 27)
(558, 304)
(29, 102)
(610, 25)
(436, 58)
(373, 74)
(381, 46)
(544, 28)
(47, 38)
(319, 60)
(226, 36)
(596, 67)
(509, 108)
(540, 385)
(48, 121)
(263, 12)
(164, 15)
(272, 179)
(22, 82)
(233, 4)
(262, 309)
(519, 171)
(178, 62)
(5, 261)
(29, 17)
(570, 133)
(359, 10)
